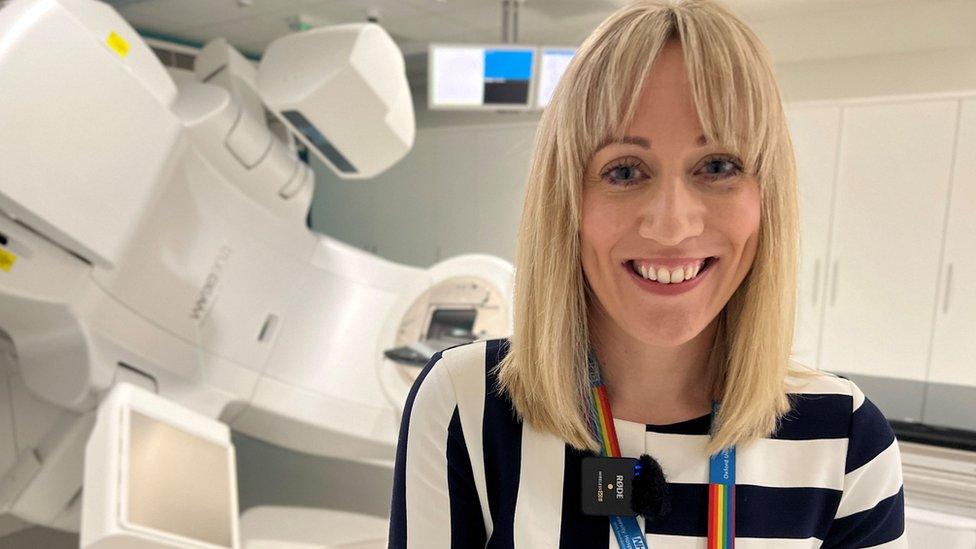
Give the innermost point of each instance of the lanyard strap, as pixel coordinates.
(721, 475)
(721, 495)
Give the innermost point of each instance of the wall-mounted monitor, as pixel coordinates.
(552, 64)
(486, 77)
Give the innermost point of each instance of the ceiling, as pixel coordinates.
(793, 30)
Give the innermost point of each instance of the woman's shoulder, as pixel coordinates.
(466, 367)
(833, 402)
(866, 456)
(460, 381)
(471, 357)
(805, 380)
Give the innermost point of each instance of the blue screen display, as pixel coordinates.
(508, 64)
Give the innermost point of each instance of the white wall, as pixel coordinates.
(866, 76)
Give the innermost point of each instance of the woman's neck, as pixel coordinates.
(651, 384)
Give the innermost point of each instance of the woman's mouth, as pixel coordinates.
(671, 275)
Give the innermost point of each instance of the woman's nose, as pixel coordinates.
(671, 212)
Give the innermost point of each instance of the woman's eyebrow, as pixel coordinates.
(642, 142)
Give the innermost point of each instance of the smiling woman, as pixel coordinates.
(654, 314)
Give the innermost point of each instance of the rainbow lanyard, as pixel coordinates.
(721, 476)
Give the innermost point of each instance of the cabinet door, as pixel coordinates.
(952, 373)
(814, 131)
(886, 237)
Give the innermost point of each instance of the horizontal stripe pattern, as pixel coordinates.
(830, 476)
(766, 462)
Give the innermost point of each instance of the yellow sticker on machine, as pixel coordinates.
(7, 259)
(117, 43)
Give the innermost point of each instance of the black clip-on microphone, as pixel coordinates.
(650, 495)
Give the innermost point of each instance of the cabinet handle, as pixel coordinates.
(945, 301)
(816, 279)
(833, 285)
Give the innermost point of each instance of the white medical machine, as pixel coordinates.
(159, 285)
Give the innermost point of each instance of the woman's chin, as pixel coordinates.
(671, 334)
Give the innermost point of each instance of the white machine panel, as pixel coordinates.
(156, 266)
(158, 475)
(96, 189)
(294, 80)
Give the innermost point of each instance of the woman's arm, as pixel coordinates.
(872, 508)
(435, 502)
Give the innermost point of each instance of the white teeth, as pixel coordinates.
(664, 276)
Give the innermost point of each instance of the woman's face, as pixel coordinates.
(661, 200)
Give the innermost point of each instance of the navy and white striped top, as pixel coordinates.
(469, 474)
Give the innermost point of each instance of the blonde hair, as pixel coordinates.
(544, 372)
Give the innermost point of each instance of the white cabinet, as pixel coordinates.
(954, 339)
(925, 527)
(886, 237)
(815, 132)
(888, 197)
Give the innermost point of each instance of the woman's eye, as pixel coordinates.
(624, 175)
(733, 168)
